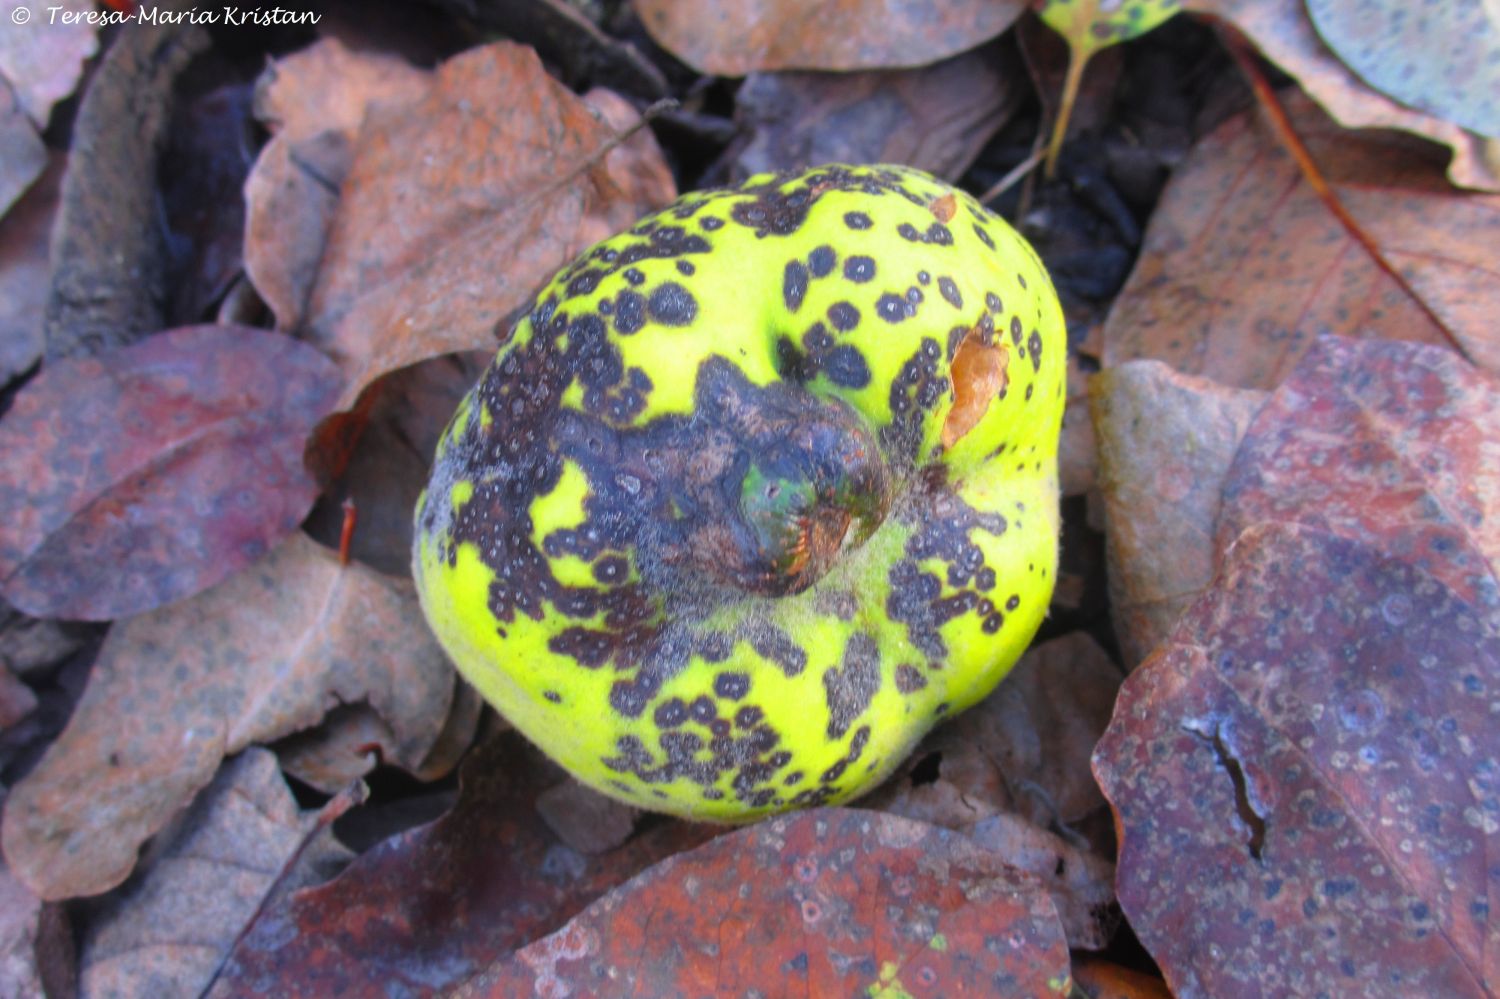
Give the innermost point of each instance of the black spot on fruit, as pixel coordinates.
(672, 305)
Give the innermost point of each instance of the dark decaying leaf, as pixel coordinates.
(264, 654)
(166, 930)
(823, 902)
(1244, 266)
(424, 910)
(36, 943)
(732, 38)
(143, 476)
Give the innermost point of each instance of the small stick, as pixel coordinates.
(351, 517)
(1010, 180)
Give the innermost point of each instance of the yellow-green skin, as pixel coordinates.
(696, 532)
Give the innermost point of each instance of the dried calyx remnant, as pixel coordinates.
(757, 491)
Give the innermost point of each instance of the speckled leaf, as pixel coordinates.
(1090, 25)
(166, 930)
(1389, 443)
(264, 654)
(1244, 265)
(313, 102)
(426, 909)
(825, 902)
(1437, 57)
(732, 38)
(1166, 441)
(437, 239)
(1307, 780)
(1284, 34)
(148, 474)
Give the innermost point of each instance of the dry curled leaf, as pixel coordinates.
(1244, 266)
(147, 474)
(24, 233)
(731, 38)
(823, 902)
(42, 57)
(266, 653)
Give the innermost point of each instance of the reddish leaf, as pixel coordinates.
(36, 944)
(1284, 34)
(1386, 443)
(426, 909)
(1307, 775)
(1306, 780)
(1244, 265)
(732, 38)
(438, 240)
(143, 476)
(826, 902)
(265, 654)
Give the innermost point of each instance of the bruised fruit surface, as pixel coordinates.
(757, 492)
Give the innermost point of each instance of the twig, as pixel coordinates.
(1010, 180)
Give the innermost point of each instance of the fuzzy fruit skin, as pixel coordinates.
(696, 533)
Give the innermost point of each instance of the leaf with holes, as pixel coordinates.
(824, 902)
(1307, 775)
(145, 475)
(1088, 26)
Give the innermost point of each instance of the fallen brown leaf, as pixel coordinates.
(426, 909)
(824, 902)
(42, 58)
(24, 234)
(22, 155)
(36, 943)
(266, 653)
(936, 118)
(313, 102)
(728, 38)
(437, 240)
(1166, 442)
(145, 475)
(166, 931)
(1284, 34)
(1244, 266)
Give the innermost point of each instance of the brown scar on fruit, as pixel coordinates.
(978, 377)
(944, 207)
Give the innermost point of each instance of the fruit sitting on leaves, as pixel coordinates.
(757, 491)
